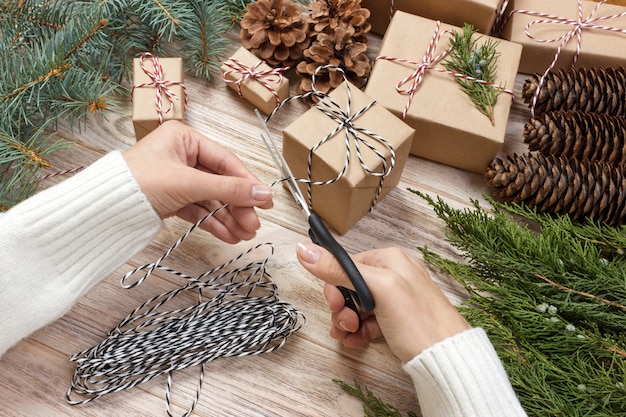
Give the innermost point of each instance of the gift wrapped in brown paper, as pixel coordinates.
(263, 86)
(348, 152)
(549, 32)
(479, 13)
(448, 128)
(158, 92)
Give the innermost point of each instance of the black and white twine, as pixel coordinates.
(236, 313)
(345, 120)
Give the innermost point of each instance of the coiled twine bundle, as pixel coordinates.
(237, 313)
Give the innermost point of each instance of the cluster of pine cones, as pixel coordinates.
(578, 140)
(333, 33)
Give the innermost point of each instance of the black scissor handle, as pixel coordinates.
(321, 236)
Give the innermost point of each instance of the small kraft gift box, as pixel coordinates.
(479, 13)
(349, 156)
(158, 92)
(409, 79)
(557, 33)
(261, 85)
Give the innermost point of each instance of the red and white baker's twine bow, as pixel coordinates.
(162, 85)
(345, 120)
(428, 63)
(581, 22)
(265, 77)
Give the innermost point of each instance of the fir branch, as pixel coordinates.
(66, 59)
(97, 26)
(162, 16)
(24, 154)
(480, 63)
(205, 45)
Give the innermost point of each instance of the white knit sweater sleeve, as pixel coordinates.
(462, 376)
(59, 243)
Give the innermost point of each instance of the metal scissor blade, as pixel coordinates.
(282, 165)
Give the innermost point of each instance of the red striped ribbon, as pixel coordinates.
(428, 63)
(265, 77)
(162, 85)
(578, 24)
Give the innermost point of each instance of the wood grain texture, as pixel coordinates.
(297, 379)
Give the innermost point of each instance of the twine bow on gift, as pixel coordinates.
(265, 77)
(428, 62)
(578, 24)
(345, 120)
(162, 85)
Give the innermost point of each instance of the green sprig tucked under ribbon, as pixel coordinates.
(478, 62)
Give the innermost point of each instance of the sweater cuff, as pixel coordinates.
(463, 376)
(91, 223)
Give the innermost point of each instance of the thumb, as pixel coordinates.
(322, 264)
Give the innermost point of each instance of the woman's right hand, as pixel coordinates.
(411, 311)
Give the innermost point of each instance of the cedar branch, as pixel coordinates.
(581, 293)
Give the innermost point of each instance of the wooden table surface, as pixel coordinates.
(296, 380)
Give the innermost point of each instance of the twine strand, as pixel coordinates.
(63, 172)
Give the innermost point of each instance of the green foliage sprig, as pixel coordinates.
(372, 405)
(551, 295)
(479, 62)
(67, 59)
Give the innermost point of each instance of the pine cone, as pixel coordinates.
(274, 31)
(326, 15)
(577, 134)
(554, 184)
(339, 48)
(598, 90)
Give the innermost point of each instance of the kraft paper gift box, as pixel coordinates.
(598, 47)
(265, 90)
(145, 113)
(448, 128)
(342, 203)
(479, 13)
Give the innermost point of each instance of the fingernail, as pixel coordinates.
(309, 253)
(261, 192)
(343, 325)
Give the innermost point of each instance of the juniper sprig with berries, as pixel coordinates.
(550, 293)
(479, 62)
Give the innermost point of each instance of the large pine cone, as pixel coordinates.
(555, 184)
(340, 49)
(577, 134)
(598, 90)
(326, 15)
(274, 31)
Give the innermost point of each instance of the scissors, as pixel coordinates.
(319, 233)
